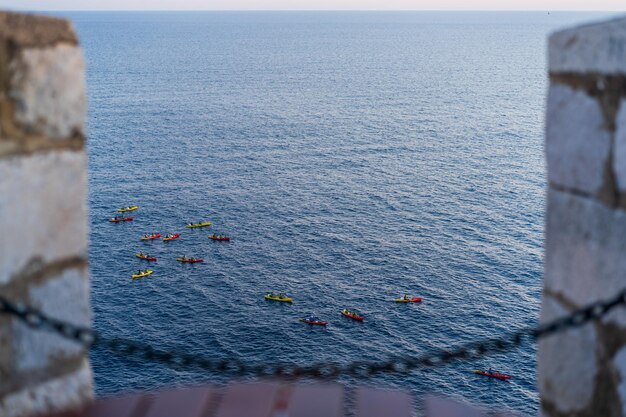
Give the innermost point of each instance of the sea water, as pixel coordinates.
(352, 157)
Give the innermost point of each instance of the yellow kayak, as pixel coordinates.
(282, 298)
(129, 208)
(143, 274)
(194, 225)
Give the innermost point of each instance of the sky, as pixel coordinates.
(35, 5)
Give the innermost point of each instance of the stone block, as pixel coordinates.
(65, 297)
(619, 151)
(566, 362)
(42, 209)
(596, 48)
(619, 362)
(47, 87)
(585, 258)
(29, 30)
(578, 146)
(60, 393)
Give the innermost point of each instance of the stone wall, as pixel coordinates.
(583, 372)
(43, 217)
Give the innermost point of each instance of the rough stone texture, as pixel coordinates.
(28, 30)
(619, 158)
(581, 371)
(47, 87)
(567, 382)
(67, 391)
(42, 210)
(585, 245)
(620, 364)
(577, 145)
(66, 298)
(43, 217)
(593, 48)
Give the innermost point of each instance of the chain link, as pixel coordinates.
(359, 370)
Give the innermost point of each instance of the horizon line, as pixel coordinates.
(323, 10)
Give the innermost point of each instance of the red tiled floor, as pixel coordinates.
(316, 400)
(248, 400)
(268, 399)
(381, 403)
(189, 402)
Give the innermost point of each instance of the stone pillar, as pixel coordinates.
(583, 372)
(43, 217)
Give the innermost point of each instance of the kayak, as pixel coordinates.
(145, 257)
(143, 274)
(220, 238)
(496, 375)
(129, 208)
(410, 300)
(194, 225)
(284, 299)
(352, 316)
(120, 219)
(171, 237)
(318, 322)
(190, 260)
(151, 237)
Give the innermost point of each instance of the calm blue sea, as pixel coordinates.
(352, 157)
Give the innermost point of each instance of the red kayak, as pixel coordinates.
(318, 322)
(151, 237)
(408, 300)
(220, 238)
(496, 375)
(146, 257)
(352, 315)
(190, 260)
(120, 219)
(171, 237)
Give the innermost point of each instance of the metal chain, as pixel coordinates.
(359, 369)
